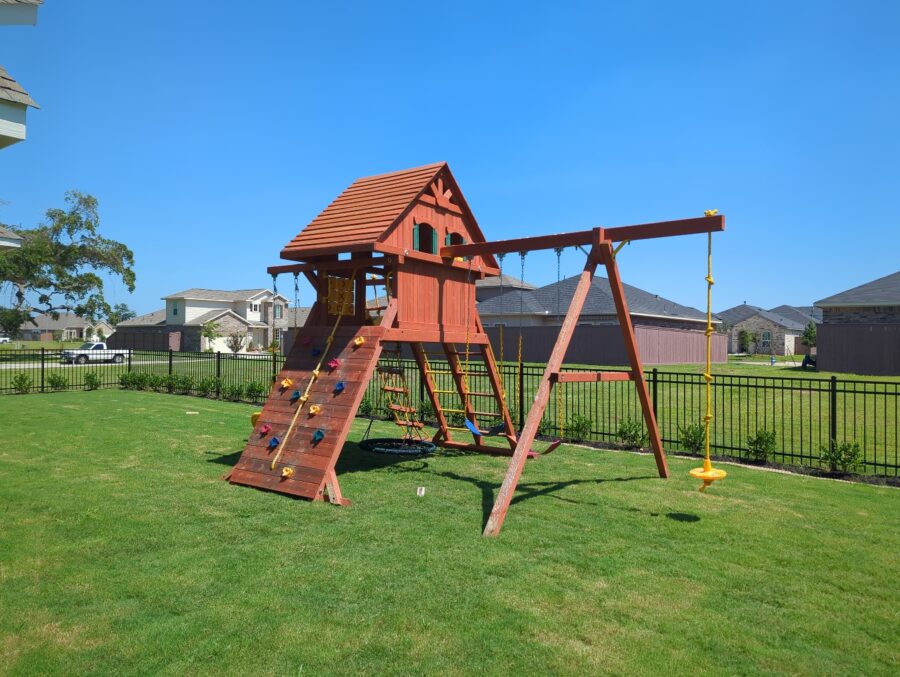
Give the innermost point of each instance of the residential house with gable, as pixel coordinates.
(258, 316)
(775, 334)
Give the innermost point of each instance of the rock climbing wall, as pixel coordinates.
(311, 450)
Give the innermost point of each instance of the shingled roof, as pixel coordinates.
(361, 216)
(10, 90)
(744, 311)
(885, 291)
(543, 301)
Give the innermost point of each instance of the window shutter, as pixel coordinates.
(447, 240)
(434, 241)
(416, 236)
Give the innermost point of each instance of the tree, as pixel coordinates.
(808, 337)
(235, 342)
(746, 339)
(210, 331)
(11, 321)
(119, 313)
(59, 265)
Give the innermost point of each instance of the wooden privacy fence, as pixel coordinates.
(805, 414)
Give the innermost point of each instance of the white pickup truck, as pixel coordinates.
(94, 352)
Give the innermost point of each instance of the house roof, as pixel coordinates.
(7, 234)
(508, 282)
(216, 313)
(148, 320)
(599, 301)
(196, 294)
(21, 2)
(46, 322)
(370, 207)
(885, 291)
(745, 311)
(801, 314)
(10, 90)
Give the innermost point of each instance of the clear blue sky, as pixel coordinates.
(212, 132)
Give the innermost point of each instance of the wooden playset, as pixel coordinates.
(412, 233)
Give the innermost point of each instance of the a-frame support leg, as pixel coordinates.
(333, 489)
(607, 257)
(529, 431)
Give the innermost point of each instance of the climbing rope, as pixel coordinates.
(314, 376)
(707, 473)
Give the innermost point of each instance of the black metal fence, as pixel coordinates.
(804, 414)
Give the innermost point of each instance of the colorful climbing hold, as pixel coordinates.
(295, 395)
(316, 352)
(286, 383)
(318, 436)
(287, 472)
(315, 409)
(307, 341)
(273, 443)
(254, 417)
(339, 387)
(334, 363)
(358, 341)
(265, 430)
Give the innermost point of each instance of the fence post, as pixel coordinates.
(274, 366)
(218, 374)
(653, 375)
(832, 432)
(129, 359)
(170, 361)
(43, 356)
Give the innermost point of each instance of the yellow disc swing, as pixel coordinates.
(707, 473)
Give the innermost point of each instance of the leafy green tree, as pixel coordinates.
(808, 337)
(210, 331)
(11, 321)
(746, 339)
(119, 313)
(60, 263)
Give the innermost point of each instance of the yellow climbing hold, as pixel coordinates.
(287, 472)
(315, 409)
(710, 212)
(286, 383)
(358, 341)
(254, 418)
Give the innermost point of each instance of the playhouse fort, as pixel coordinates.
(413, 234)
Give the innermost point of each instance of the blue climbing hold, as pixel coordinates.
(316, 352)
(295, 395)
(339, 387)
(273, 443)
(318, 436)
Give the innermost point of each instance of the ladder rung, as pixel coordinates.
(391, 370)
(392, 389)
(400, 407)
(439, 371)
(410, 424)
(486, 414)
(456, 392)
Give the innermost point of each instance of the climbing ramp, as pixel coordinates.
(300, 460)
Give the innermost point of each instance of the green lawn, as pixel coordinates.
(123, 552)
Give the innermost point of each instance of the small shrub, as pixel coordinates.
(156, 382)
(844, 456)
(126, 380)
(207, 387)
(761, 446)
(57, 381)
(456, 420)
(184, 384)
(92, 380)
(693, 437)
(233, 392)
(631, 433)
(546, 428)
(256, 391)
(141, 381)
(426, 411)
(579, 427)
(366, 407)
(22, 383)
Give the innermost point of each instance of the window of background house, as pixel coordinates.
(765, 339)
(277, 311)
(424, 238)
(175, 309)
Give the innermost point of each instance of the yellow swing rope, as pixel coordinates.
(312, 379)
(707, 473)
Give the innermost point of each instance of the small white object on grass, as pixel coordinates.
(192, 413)
(420, 491)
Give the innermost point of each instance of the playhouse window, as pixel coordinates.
(454, 238)
(424, 238)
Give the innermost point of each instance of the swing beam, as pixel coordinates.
(602, 252)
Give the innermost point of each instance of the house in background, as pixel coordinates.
(666, 332)
(776, 334)
(860, 330)
(489, 287)
(14, 100)
(260, 316)
(8, 239)
(67, 327)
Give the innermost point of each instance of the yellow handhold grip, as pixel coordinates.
(315, 409)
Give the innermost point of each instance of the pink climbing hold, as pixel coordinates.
(265, 430)
(334, 363)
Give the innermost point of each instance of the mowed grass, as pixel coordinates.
(123, 552)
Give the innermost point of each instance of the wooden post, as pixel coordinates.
(529, 430)
(487, 355)
(618, 293)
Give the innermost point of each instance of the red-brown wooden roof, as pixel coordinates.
(364, 211)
